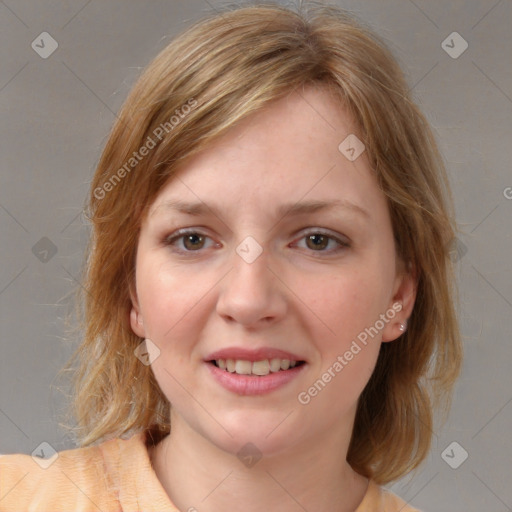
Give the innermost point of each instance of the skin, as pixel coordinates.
(295, 296)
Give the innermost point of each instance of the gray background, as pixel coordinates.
(57, 112)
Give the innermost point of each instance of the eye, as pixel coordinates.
(320, 241)
(188, 241)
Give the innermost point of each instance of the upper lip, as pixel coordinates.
(252, 355)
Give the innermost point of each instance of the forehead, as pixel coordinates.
(286, 152)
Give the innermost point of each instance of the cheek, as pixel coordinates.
(353, 306)
(170, 299)
(175, 306)
(346, 341)
(172, 304)
(347, 304)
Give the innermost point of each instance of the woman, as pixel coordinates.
(268, 318)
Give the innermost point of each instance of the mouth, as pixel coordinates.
(259, 368)
(254, 371)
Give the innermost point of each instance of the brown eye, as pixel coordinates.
(193, 241)
(322, 243)
(187, 241)
(317, 241)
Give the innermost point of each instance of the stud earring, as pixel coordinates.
(403, 326)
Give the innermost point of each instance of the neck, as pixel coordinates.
(197, 475)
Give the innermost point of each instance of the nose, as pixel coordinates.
(251, 294)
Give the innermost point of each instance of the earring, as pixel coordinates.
(403, 326)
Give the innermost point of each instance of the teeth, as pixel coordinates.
(243, 367)
(275, 365)
(261, 368)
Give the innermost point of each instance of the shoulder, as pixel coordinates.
(380, 499)
(78, 479)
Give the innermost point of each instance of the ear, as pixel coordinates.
(402, 303)
(136, 321)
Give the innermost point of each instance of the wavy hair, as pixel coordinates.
(213, 75)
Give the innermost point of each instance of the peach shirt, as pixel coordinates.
(115, 475)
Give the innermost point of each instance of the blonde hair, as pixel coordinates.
(226, 67)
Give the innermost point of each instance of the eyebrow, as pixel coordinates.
(299, 208)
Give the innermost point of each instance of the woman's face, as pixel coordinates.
(274, 245)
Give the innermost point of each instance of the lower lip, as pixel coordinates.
(253, 384)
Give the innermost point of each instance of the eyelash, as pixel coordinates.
(181, 233)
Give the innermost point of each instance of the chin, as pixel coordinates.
(265, 434)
